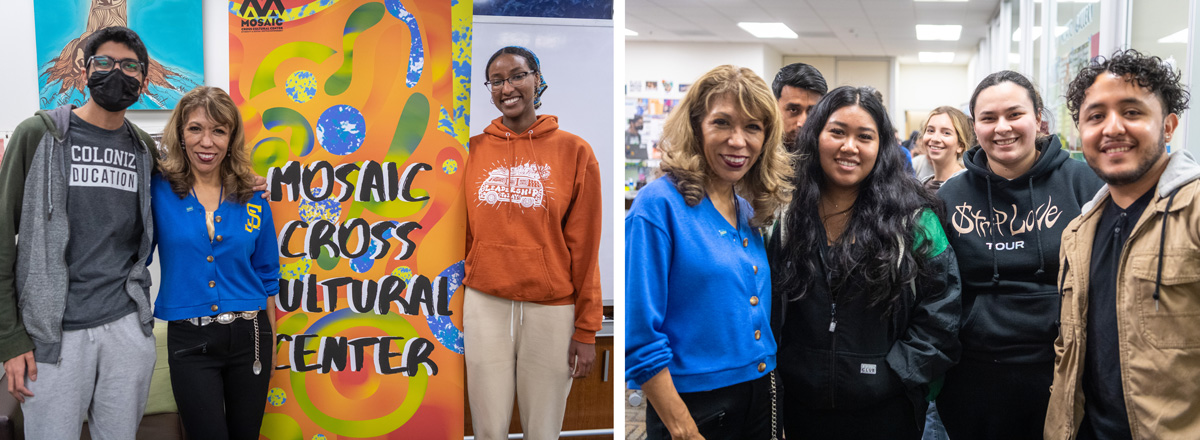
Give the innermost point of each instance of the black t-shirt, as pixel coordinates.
(1104, 413)
(106, 228)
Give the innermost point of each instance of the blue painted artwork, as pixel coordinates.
(301, 86)
(416, 55)
(598, 9)
(171, 30)
(442, 327)
(341, 129)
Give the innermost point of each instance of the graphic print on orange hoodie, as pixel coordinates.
(534, 212)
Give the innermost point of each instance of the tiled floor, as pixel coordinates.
(635, 419)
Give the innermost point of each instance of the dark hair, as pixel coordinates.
(1148, 72)
(1012, 77)
(118, 34)
(635, 118)
(801, 76)
(884, 210)
(534, 64)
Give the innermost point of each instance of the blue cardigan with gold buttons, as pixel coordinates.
(236, 271)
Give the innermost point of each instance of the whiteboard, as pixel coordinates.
(576, 57)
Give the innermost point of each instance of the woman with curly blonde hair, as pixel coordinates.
(220, 266)
(697, 283)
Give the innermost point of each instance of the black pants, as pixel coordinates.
(218, 394)
(985, 400)
(741, 411)
(893, 418)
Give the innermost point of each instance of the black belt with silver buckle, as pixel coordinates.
(224, 318)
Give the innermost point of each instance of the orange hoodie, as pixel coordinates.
(534, 218)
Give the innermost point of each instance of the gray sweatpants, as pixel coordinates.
(104, 373)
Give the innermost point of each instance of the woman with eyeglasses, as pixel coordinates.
(532, 304)
(867, 283)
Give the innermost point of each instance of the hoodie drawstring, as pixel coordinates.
(1037, 232)
(1162, 244)
(512, 319)
(996, 230)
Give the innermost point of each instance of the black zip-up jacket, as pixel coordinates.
(836, 353)
(1006, 235)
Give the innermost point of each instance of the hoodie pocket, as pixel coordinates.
(1012, 322)
(514, 272)
(1169, 322)
(864, 381)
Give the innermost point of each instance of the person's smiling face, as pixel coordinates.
(941, 139)
(732, 140)
(848, 146)
(514, 98)
(1006, 125)
(205, 142)
(1123, 129)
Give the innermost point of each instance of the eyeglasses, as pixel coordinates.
(105, 63)
(515, 80)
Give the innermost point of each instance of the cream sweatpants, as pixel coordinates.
(521, 347)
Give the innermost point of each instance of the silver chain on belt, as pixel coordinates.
(258, 365)
(774, 430)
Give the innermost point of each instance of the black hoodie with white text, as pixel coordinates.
(1006, 235)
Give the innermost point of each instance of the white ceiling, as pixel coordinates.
(863, 28)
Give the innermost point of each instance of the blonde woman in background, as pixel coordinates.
(947, 134)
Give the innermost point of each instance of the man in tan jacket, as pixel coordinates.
(1128, 352)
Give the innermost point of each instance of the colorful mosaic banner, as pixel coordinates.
(356, 113)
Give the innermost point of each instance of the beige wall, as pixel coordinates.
(923, 87)
(684, 62)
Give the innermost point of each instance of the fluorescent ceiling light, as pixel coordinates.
(1037, 33)
(948, 32)
(1070, 1)
(940, 1)
(768, 30)
(629, 33)
(1178, 37)
(936, 57)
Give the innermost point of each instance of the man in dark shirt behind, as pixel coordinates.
(1128, 351)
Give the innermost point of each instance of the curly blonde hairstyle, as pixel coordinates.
(961, 123)
(237, 176)
(767, 185)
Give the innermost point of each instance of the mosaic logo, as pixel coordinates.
(261, 17)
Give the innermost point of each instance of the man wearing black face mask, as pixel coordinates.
(75, 319)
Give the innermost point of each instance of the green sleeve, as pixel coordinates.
(929, 229)
(18, 157)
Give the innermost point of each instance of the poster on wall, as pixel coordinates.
(171, 29)
(356, 113)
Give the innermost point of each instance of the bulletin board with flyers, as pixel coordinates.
(652, 100)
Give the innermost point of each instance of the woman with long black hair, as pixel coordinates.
(868, 285)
